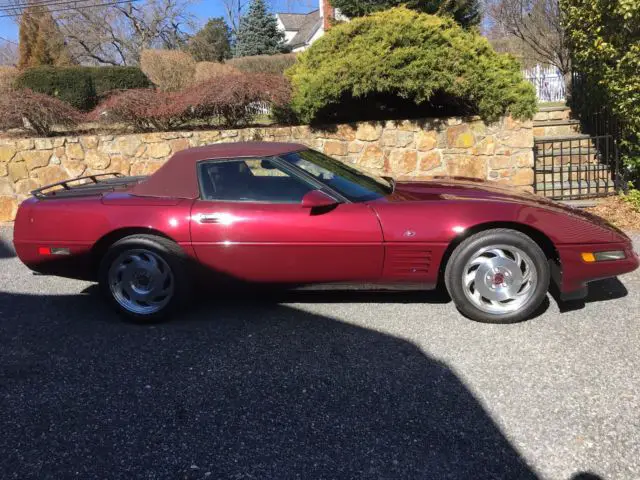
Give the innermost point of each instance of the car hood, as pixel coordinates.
(463, 189)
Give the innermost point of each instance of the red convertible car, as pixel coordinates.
(280, 213)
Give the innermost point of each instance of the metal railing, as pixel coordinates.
(576, 167)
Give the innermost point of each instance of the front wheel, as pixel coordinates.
(144, 277)
(498, 276)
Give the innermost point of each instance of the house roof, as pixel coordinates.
(293, 21)
(177, 178)
(304, 24)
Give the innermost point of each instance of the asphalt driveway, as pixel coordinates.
(315, 385)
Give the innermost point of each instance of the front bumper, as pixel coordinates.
(574, 273)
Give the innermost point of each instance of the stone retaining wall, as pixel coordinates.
(500, 152)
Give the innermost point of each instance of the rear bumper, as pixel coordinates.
(574, 274)
(79, 264)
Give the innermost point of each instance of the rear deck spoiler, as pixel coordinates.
(81, 186)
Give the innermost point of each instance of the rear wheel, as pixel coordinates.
(498, 276)
(144, 277)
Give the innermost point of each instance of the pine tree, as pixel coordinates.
(258, 33)
(212, 42)
(41, 42)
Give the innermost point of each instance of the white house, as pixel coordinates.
(302, 29)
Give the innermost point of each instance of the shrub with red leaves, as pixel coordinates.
(36, 111)
(236, 97)
(143, 109)
(227, 99)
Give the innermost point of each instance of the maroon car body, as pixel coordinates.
(402, 237)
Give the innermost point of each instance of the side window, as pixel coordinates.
(250, 180)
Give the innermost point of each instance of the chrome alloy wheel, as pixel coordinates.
(141, 281)
(499, 279)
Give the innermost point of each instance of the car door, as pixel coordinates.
(249, 224)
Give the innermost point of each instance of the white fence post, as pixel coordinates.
(548, 82)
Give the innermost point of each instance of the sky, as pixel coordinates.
(202, 9)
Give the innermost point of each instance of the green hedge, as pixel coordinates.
(72, 85)
(107, 79)
(81, 87)
(399, 62)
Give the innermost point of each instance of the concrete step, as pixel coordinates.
(555, 127)
(552, 113)
(572, 168)
(561, 138)
(559, 108)
(568, 156)
(580, 203)
(575, 188)
(555, 122)
(548, 143)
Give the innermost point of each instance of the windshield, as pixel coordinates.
(353, 184)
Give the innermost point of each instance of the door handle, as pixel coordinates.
(218, 217)
(209, 218)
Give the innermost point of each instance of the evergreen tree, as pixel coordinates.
(212, 43)
(465, 12)
(41, 42)
(258, 33)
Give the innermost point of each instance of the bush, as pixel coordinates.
(632, 197)
(224, 100)
(275, 64)
(466, 12)
(108, 79)
(81, 87)
(604, 39)
(8, 76)
(169, 70)
(400, 60)
(72, 85)
(208, 70)
(41, 112)
(142, 109)
(236, 98)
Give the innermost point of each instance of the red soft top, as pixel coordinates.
(177, 178)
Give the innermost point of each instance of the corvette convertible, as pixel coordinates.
(281, 214)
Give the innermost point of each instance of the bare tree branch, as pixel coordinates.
(8, 53)
(116, 34)
(531, 29)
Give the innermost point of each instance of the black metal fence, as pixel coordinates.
(576, 167)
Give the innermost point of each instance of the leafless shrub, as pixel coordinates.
(143, 109)
(208, 70)
(232, 96)
(275, 64)
(35, 111)
(170, 70)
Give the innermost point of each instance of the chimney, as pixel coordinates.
(327, 12)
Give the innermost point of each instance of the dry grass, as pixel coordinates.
(618, 212)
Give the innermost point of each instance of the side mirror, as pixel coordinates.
(317, 199)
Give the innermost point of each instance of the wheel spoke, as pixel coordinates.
(498, 252)
(469, 278)
(480, 260)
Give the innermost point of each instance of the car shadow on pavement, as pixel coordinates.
(598, 291)
(6, 249)
(268, 392)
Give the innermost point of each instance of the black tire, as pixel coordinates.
(168, 251)
(454, 274)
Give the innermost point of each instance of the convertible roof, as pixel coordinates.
(177, 178)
